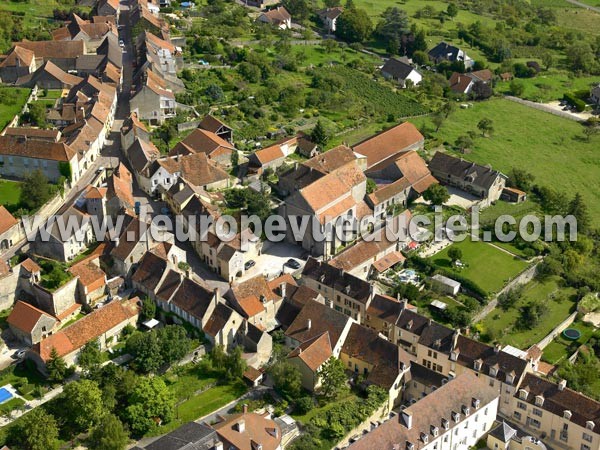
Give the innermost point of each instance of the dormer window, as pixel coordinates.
(510, 378)
(475, 403)
(466, 410)
(409, 325)
(445, 424)
(434, 431)
(455, 416)
(590, 425)
(567, 414)
(477, 364)
(454, 355)
(539, 400)
(523, 394)
(424, 438)
(410, 446)
(493, 371)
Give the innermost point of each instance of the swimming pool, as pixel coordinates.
(5, 395)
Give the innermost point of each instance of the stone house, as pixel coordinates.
(11, 229)
(153, 101)
(278, 17)
(29, 324)
(254, 300)
(78, 234)
(215, 147)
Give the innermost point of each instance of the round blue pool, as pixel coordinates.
(572, 334)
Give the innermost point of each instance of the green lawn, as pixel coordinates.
(203, 404)
(561, 348)
(10, 192)
(549, 86)
(500, 325)
(550, 147)
(487, 266)
(12, 101)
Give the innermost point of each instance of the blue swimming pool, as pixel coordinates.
(5, 395)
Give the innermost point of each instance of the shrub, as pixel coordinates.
(573, 100)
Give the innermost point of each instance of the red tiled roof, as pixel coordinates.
(7, 221)
(314, 352)
(25, 316)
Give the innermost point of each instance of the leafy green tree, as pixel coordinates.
(486, 126)
(455, 254)
(218, 358)
(109, 434)
(287, 380)
(333, 377)
(35, 190)
(148, 309)
(579, 209)
(531, 314)
(215, 93)
(36, 430)
(299, 9)
(56, 367)
(547, 60)
(235, 159)
(420, 57)
(319, 135)
(517, 88)
(90, 356)
(332, 3)
(150, 399)
(354, 25)
(580, 57)
(452, 10)
(174, 343)
(81, 405)
(251, 72)
(235, 364)
(146, 350)
(436, 194)
(330, 45)
(393, 25)
(438, 120)
(448, 108)
(371, 185)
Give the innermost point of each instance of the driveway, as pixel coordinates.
(272, 259)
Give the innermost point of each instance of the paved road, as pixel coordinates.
(583, 5)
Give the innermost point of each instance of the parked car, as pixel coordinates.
(121, 43)
(292, 263)
(249, 264)
(19, 354)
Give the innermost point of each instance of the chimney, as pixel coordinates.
(407, 418)
(218, 445)
(455, 339)
(245, 408)
(181, 186)
(240, 426)
(562, 384)
(217, 296)
(282, 291)
(309, 325)
(496, 348)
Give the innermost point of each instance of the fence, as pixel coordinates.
(187, 125)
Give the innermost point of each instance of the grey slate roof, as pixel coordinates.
(482, 176)
(397, 69)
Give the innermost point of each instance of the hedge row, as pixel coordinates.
(574, 100)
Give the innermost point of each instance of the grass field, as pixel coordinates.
(500, 325)
(549, 147)
(488, 267)
(12, 101)
(549, 86)
(561, 348)
(10, 192)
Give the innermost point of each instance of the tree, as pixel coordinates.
(235, 159)
(393, 25)
(150, 399)
(581, 57)
(371, 186)
(579, 209)
(235, 364)
(438, 120)
(56, 367)
(455, 254)
(354, 25)
(521, 179)
(509, 298)
(452, 10)
(547, 60)
(218, 358)
(36, 430)
(287, 380)
(531, 314)
(173, 342)
(82, 406)
(319, 135)
(517, 88)
(148, 309)
(36, 115)
(215, 93)
(109, 434)
(486, 126)
(329, 45)
(448, 108)
(35, 190)
(146, 350)
(90, 356)
(299, 9)
(333, 377)
(590, 131)
(332, 3)
(420, 57)
(436, 194)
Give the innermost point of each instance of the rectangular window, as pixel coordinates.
(535, 423)
(522, 405)
(537, 412)
(587, 437)
(585, 447)
(517, 415)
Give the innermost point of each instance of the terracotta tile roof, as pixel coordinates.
(483, 75)
(385, 308)
(269, 154)
(460, 82)
(201, 141)
(258, 430)
(49, 68)
(275, 283)
(7, 221)
(128, 240)
(333, 277)
(88, 328)
(157, 85)
(277, 15)
(362, 252)
(389, 260)
(20, 54)
(53, 49)
(157, 42)
(193, 298)
(121, 188)
(30, 148)
(89, 274)
(251, 295)
(313, 352)
(252, 374)
(556, 401)
(169, 285)
(195, 168)
(322, 319)
(212, 124)
(427, 412)
(150, 271)
(218, 319)
(331, 13)
(141, 154)
(389, 143)
(30, 265)
(33, 133)
(25, 316)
